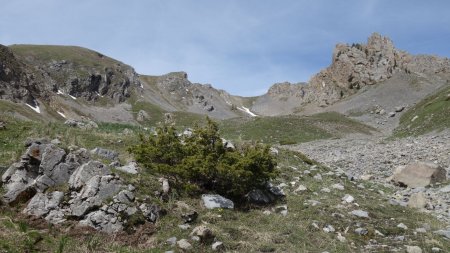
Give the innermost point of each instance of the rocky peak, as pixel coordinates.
(174, 81)
(358, 65)
(287, 88)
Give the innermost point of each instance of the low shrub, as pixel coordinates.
(199, 161)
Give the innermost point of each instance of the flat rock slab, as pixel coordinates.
(419, 174)
(211, 201)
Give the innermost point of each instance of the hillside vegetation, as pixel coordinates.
(431, 114)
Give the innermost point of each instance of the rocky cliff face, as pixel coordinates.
(30, 72)
(15, 83)
(358, 65)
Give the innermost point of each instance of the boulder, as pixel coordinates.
(130, 168)
(211, 201)
(184, 245)
(51, 156)
(419, 174)
(260, 197)
(204, 233)
(85, 172)
(417, 200)
(19, 182)
(96, 191)
(150, 212)
(105, 153)
(42, 203)
(142, 116)
(102, 221)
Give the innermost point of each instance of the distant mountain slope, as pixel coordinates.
(353, 68)
(58, 82)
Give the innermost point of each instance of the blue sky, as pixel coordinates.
(242, 46)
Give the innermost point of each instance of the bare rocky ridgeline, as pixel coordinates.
(376, 159)
(353, 68)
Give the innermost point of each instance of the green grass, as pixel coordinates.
(244, 230)
(431, 114)
(291, 129)
(77, 55)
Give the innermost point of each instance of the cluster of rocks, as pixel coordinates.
(2, 125)
(83, 124)
(61, 186)
(379, 110)
(384, 161)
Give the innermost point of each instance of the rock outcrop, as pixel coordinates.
(358, 65)
(29, 73)
(94, 196)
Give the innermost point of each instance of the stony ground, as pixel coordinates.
(375, 158)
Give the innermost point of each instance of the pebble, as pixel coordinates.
(361, 231)
(348, 198)
(338, 187)
(360, 213)
(402, 226)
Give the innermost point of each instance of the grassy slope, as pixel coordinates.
(431, 114)
(77, 55)
(291, 129)
(251, 230)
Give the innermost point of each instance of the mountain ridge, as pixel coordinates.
(58, 75)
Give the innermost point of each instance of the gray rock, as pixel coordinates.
(184, 244)
(142, 116)
(273, 151)
(443, 232)
(19, 183)
(399, 108)
(150, 212)
(51, 156)
(86, 125)
(211, 201)
(348, 198)
(171, 241)
(124, 196)
(391, 114)
(102, 221)
(417, 200)
(419, 174)
(445, 189)
(361, 231)
(260, 197)
(85, 172)
(413, 249)
(277, 191)
(360, 213)
(204, 233)
(56, 216)
(42, 203)
(105, 153)
(94, 193)
(402, 226)
(130, 168)
(217, 246)
(228, 144)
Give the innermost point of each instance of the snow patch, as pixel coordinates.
(74, 98)
(60, 92)
(246, 110)
(62, 114)
(36, 109)
(228, 102)
(142, 86)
